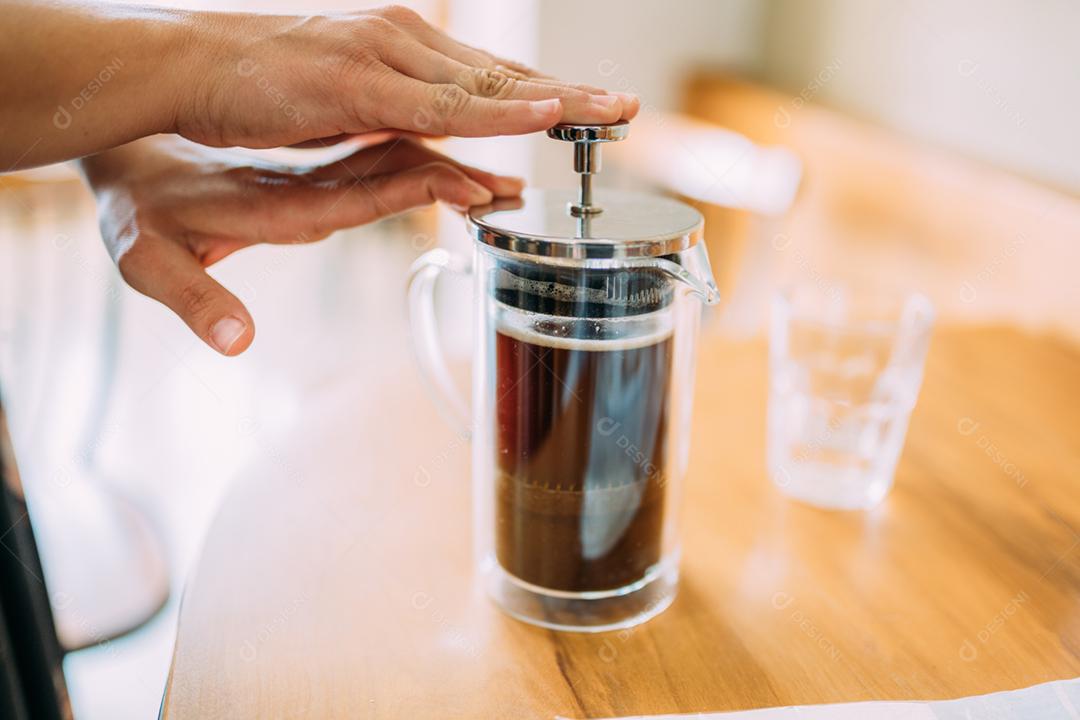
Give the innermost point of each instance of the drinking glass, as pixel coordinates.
(846, 363)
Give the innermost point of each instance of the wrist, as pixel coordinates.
(220, 53)
(156, 51)
(192, 48)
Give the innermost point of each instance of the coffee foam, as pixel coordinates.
(560, 292)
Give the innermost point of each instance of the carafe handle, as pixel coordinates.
(694, 271)
(423, 276)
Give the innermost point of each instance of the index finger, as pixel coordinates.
(447, 109)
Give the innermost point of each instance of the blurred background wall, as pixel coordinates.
(994, 80)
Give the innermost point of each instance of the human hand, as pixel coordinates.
(168, 209)
(119, 72)
(267, 81)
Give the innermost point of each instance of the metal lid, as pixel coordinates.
(603, 224)
(632, 225)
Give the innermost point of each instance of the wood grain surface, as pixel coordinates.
(336, 580)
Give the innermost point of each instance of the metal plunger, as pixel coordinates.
(586, 139)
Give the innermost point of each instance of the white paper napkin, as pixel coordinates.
(1058, 700)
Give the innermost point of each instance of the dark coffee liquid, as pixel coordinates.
(581, 458)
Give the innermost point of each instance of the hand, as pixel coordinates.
(273, 80)
(119, 72)
(169, 209)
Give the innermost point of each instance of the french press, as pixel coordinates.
(587, 304)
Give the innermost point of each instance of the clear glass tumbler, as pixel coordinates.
(846, 364)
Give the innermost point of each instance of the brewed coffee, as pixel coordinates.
(581, 452)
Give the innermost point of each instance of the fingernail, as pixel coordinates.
(604, 100)
(626, 97)
(225, 332)
(545, 108)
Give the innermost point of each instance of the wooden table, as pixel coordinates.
(336, 580)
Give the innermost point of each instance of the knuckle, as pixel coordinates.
(492, 83)
(448, 101)
(511, 72)
(354, 66)
(400, 14)
(373, 36)
(377, 25)
(196, 299)
(363, 68)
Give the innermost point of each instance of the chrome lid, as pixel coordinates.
(632, 225)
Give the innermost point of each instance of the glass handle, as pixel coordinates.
(423, 276)
(693, 272)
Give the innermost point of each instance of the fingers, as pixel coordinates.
(366, 139)
(413, 27)
(403, 153)
(260, 205)
(167, 272)
(517, 67)
(383, 195)
(309, 211)
(631, 104)
(409, 104)
(323, 142)
(436, 39)
(391, 193)
(578, 106)
(418, 61)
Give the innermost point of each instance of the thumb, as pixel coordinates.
(167, 272)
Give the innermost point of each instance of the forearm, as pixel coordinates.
(78, 78)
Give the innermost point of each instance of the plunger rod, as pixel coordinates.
(586, 162)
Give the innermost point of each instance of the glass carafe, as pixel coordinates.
(587, 315)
